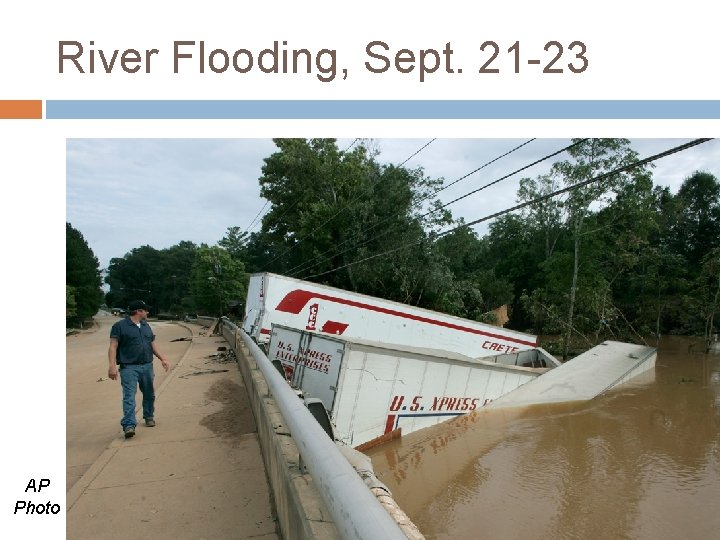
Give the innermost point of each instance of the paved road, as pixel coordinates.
(197, 474)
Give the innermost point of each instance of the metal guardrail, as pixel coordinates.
(357, 513)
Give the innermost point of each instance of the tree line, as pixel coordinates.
(617, 258)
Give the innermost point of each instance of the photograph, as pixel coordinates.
(438, 325)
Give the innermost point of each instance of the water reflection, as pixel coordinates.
(640, 462)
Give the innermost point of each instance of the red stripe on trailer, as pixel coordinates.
(296, 300)
(333, 327)
(264, 331)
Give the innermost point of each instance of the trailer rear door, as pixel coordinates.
(311, 362)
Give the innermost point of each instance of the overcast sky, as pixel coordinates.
(125, 193)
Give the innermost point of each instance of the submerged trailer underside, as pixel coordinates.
(594, 372)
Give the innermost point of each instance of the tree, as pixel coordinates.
(682, 253)
(544, 216)
(515, 250)
(308, 184)
(591, 158)
(707, 292)
(621, 242)
(697, 227)
(657, 287)
(472, 288)
(463, 251)
(160, 277)
(235, 243)
(135, 276)
(398, 212)
(70, 304)
(217, 279)
(82, 278)
(332, 213)
(172, 278)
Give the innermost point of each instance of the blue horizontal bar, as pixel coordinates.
(382, 109)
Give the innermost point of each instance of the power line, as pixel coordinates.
(290, 207)
(367, 240)
(304, 265)
(514, 172)
(247, 229)
(518, 147)
(534, 201)
(310, 264)
(418, 151)
(345, 207)
(584, 183)
(351, 144)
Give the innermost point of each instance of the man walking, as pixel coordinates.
(132, 346)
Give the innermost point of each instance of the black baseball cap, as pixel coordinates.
(138, 304)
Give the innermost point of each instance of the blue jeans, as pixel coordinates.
(133, 376)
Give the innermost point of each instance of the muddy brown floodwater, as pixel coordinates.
(640, 462)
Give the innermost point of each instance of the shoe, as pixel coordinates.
(150, 422)
(129, 432)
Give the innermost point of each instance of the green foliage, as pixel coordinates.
(615, 259)
(133, 277)
(544, 217)
(471, 289)
(217, 279)
(332, 210)
(309, 183)
(707, 291)
(696, 229)
(159, 277)
(641, 266)
(235, 243)
(70, 303)
(593, 161)
(82, 278)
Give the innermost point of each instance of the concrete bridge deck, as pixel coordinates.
(198, 474)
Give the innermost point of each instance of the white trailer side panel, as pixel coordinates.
(382, 390)
(372, 389)
(309, 306)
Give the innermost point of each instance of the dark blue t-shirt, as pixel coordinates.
(134, 344)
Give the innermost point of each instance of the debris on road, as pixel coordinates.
(203, 372)
(223, 355)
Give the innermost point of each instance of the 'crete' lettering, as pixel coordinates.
(499, 347)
